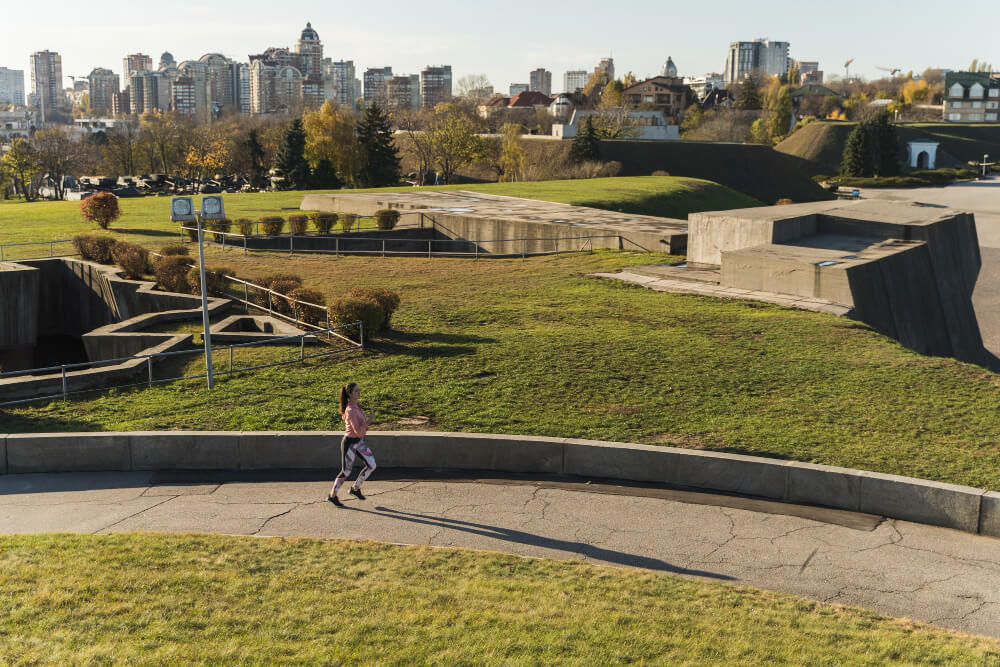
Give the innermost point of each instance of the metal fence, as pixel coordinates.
(10, 251)
(225, 363)
(301, 313)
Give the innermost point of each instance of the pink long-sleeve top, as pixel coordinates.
(355, 420)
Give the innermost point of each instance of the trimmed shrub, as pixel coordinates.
(612, 168)
(171, 273)
(272, 224)
(287, 281)
(191, 229)
(133, 259)
(348, 221)
(268, 281)
(94, 248)
(387, 300)
(299, 224)
(174, 250)
(386, 219)
(213, 279)
(283, 287)
(101, 208)
(348, 309)
(660, 172)
(246, 226)
(324, 222)
(308, 314)
(223, 225)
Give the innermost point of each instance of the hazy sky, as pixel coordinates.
(505, 40)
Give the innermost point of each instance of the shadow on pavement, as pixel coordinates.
(521, 537)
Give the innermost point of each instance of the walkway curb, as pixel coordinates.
(949, 505)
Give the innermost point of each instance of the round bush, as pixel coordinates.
(175, 249)
(308, 314)
(299, 224)
(272, 224)
(387, 300)
(348, 309)
(324, 222)
(386, 218)
(94, 248)
(213, 279)
(285, 287)
(133, 259)
(246, 226)
(172, 273)
(348, 221)
(101, 208)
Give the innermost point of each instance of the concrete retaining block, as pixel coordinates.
(262, 450)
(828, 486)
(467, 451)
(67, 452)
(921, 501)
(732, 472)
(183, 450)
(989, 514)
(3, 453)
(641, 463)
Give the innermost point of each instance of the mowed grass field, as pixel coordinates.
(141, 598)
(146, 220)
(540, 347)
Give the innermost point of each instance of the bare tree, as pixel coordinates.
(474, 87)
(414, 123)
(121, 147)
(60, 153)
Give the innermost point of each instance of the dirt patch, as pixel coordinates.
(684, 440)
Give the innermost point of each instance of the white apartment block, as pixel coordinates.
(761, 54)
(11, 86)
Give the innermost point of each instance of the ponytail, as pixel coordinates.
(345, 396)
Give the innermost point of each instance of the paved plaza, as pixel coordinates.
(897, 568)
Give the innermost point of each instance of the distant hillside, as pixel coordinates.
(821, 144)
(758, 171)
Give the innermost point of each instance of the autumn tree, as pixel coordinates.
(23, 164)
(164, 133)
(121, 146)
(453, 139)
(331, 135)
(780, 114)
(61, 153)
(513, 159)
(612, 95)
(379, 158)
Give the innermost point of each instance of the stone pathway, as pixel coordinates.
(900, 569)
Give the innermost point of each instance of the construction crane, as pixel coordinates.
(847, 72)
(891, 70)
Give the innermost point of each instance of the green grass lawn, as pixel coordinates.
(132, 598)
(538, 347)
(147, 220)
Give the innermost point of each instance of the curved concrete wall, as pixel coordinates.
(960, 507)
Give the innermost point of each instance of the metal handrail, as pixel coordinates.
(26, 243)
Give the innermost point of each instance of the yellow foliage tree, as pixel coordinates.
(916, 92)
(331, 135)
(207, 158)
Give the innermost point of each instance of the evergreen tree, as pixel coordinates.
(291, 162)
(780, 119)
(324, 176)
(872, 149)
(749, 96)
(859, 153)
(255, 155)
(889, 147)
(379, 157)
(586, 143)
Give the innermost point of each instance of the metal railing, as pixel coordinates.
(220, 368)
(275, 304)
(6, 254)
(358, 223)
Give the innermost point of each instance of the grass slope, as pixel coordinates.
(147, 220)
(537, 347)
(131, 598)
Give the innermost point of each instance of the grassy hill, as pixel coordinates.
(821, 144)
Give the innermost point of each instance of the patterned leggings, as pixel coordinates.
(350, 449)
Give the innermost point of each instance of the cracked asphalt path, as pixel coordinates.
(897, 568)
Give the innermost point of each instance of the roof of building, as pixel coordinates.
(814, 89)
(308, 34)
(673, 84)
(718, 97)
(530, 98)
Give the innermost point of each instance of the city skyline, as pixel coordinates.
(409, 40)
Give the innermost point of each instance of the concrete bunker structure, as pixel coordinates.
(494, 221)
(907, 270)
(82, 312)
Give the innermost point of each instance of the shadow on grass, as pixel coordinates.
(533, 539)
(145, 232)
(427, 345)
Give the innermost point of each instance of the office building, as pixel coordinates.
(12, 86)
(541, 82)
(435, 86)
(376, 80)
(46, 81)
(103, 86)
(575, 80)
(518, 88)
(763, 55)
(136, 62)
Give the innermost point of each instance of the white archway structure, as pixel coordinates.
(922, 154)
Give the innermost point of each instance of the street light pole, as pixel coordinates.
(206, 334)
(985, 164)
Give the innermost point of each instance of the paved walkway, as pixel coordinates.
(897, 568)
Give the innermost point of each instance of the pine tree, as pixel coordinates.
(586, 143)
(324, 176)
(255, 154)
(291, 162)
(749, 96)
(872, 149)
(859, 153)
(889, 147)
(379, 157)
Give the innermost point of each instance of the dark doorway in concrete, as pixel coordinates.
(58, 349)
(922, 160)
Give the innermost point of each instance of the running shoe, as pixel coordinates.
(356, 493)
(335, 500)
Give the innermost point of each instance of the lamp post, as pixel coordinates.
(206, 335)
(985, 164)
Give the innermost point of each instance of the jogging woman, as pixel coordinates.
(353, 444)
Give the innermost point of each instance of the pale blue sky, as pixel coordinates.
(506, 40)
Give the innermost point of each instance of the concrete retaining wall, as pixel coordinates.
(949, 505)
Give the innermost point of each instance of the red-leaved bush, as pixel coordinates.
(101, 208)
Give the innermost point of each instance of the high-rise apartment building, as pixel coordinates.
(342, 76)
(607, 68)
(11, 86)
(310, 52)
(136, 62)
(103, 86)
(403, 92)
(435, 86)
(762, 55)
(517, 89)
(376, 88)
(280, 79)
(575, 80)
(167, 60)
(183, 98)
(46, 81)
(541, 81)
(240, 76)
